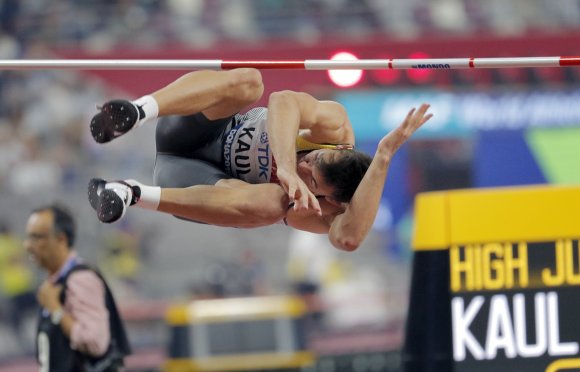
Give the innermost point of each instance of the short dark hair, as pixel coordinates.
(63, 221)
(345, 173)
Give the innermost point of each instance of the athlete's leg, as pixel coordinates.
(215, 199)
(233, 203)
(217, 94)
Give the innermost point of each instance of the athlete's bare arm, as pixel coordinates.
(306, 220)
(348, 224)
(349, 229)
(321, 122)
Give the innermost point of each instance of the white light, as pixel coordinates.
(345, 78)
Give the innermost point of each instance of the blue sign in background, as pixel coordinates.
(459, 113)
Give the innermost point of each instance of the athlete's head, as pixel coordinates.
(334, 173)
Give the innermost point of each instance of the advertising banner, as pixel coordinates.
(459, 113)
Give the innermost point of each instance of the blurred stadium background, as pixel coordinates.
(491, 128)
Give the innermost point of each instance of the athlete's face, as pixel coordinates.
(308, 169)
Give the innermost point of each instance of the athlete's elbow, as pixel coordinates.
(346, 243)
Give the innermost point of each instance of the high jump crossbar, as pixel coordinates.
(308, 64)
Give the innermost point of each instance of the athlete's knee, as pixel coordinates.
(265, 215)
(271, 215)
(268, 208)
(246, 84)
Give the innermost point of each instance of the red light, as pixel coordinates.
(345, 78)
(419, 76)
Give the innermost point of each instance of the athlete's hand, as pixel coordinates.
(298, 192)
(390, 143)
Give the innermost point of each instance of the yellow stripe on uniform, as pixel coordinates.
(305, 145)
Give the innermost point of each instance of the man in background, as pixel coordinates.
(79, 327)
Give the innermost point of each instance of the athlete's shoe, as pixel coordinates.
(116, 118)
(111, 199)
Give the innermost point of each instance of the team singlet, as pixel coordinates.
(247, 153)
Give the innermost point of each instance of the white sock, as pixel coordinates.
(149, 105)
(150, 195)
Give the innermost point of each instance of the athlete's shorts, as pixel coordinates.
(190, 150)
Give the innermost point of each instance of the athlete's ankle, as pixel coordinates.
(148, 109)
(148, 197)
